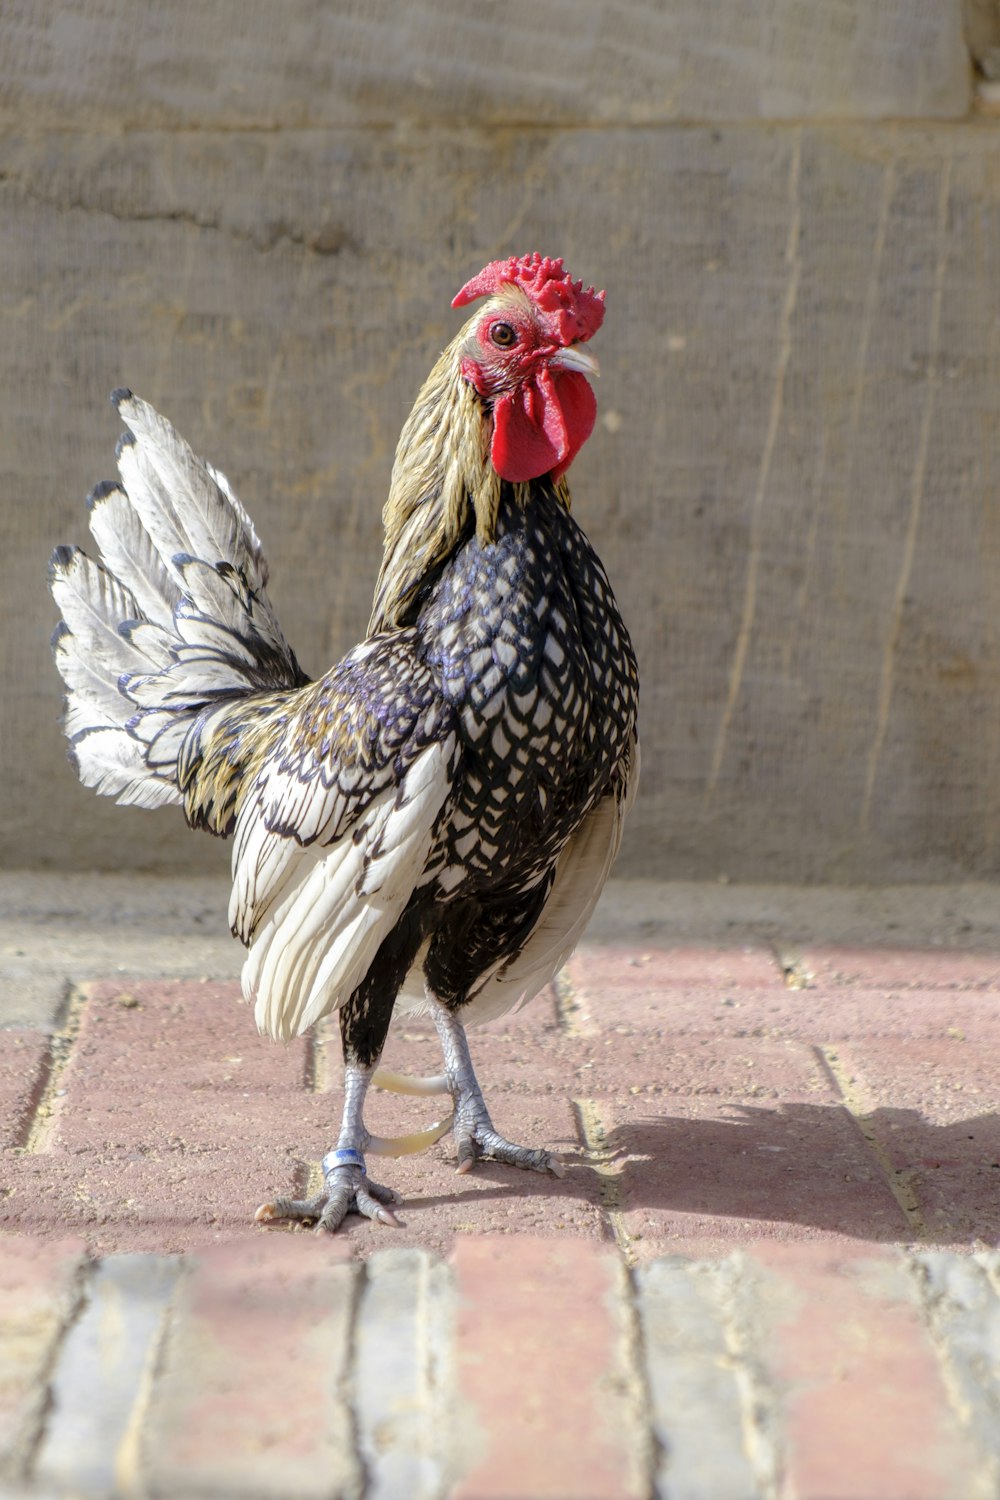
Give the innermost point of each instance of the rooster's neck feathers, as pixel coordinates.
(443, 487)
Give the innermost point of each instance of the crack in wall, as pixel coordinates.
(918, 483)
(326, 240)
(755, 523)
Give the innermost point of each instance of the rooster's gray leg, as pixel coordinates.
(475, 1135)
(347, 1188)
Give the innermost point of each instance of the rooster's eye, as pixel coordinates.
(503, 335)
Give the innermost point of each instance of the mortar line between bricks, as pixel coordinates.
(437, 1335)
(595, 1140)
(754, 1391)
(793, 967)
(348, 1381)
(567, 1004)
(308, 1175)
(635, 1360)
(39, 1122)
(950, 1379)
(897, 1181)
(130, 1458)
(316, 1073)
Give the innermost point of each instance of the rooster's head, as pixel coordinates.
(522, 355)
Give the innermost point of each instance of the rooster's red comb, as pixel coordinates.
(580, 312)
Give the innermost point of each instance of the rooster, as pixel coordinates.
(429, 825)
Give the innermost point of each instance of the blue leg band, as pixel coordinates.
(342, 1157)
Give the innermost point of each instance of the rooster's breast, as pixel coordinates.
(525, 640)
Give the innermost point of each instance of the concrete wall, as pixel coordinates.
(256, 214)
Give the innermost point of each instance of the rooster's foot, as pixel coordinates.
(348, 1190)
(479, 1139)
(475, 1135)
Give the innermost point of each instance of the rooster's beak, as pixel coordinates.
(575, 358)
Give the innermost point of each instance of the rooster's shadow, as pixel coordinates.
(891, 1176)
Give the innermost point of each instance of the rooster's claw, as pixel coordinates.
(479, 1141)
(347, 1190)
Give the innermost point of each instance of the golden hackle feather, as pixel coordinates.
(442, 485)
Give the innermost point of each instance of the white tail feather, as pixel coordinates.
(127, 551)
(171, 619)
(181, 494)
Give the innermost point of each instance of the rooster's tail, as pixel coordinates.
(169, 627)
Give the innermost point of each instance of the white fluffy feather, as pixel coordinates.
(320, 937)
(112, 762)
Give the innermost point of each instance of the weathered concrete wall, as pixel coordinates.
(257, 216)
(251, 64)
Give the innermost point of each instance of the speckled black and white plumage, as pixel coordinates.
(432, 821)
(529, 650)
(518, 673)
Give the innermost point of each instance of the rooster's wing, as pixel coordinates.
(335, 829)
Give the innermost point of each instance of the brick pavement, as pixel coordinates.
(770, 1269)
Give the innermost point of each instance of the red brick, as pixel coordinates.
(901, 968)
(181, 1060)
(157, 1200)
(38, 1287)
(172, 1115)
(537, 1358)
(864, 1409)
(177, 1120)
(492, 1198)
(249, 1399)
(948, 1079)
(833, 1014)
(615, 986)
(679, 1009)
(817, 1014)
(930, 1105)
(24, 1067)
(724, 1173)
(736, 1069)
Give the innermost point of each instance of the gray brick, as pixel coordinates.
(692, 1383)
(394, 1376)
(99, 1383)
(963, 1307)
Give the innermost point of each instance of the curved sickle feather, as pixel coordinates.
(399, 1083)
(409, 1145)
